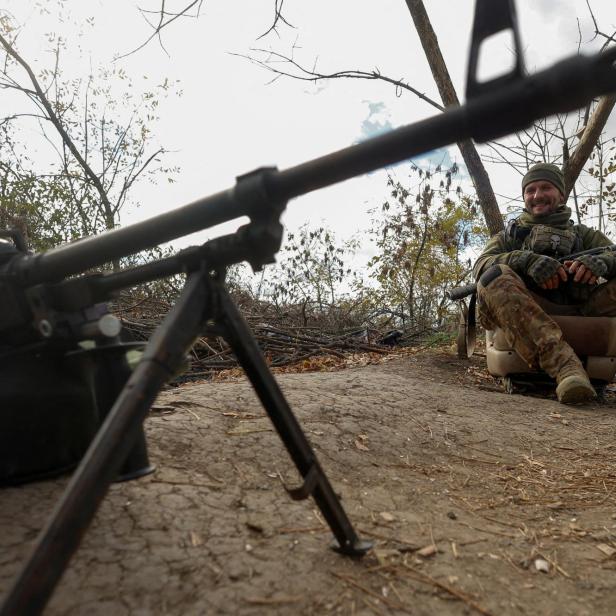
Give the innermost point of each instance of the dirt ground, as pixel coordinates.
(478, 502)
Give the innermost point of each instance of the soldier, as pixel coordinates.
(519, 277)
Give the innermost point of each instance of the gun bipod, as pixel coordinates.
(204, 303)
(236, 332)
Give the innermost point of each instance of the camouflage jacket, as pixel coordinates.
(556, 236)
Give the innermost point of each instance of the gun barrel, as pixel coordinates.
(590, 251)
(92, 251)
(491, 115)
(387, 149)
(458, 293)
(405, 142)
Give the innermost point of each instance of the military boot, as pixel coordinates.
(504, 301)
(573, 385)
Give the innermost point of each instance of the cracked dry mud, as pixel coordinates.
(424, 451)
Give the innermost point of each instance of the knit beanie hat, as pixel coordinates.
(545, 171)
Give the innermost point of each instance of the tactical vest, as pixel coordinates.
(542, 239)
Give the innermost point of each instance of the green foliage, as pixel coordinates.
(312, 283)
(312, 268)
(440, 338)
(93, 138)
(40, 206)
(422, 236)
(602, 200)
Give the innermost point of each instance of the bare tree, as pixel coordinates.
(593, 125)
(100, 156)
(531, 145)
(278, 17)
(570, 141)
(164, 17)
(283, 65)
(590, 136)
(476, 169)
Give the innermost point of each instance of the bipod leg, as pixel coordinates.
(237, 333)
(100, 465)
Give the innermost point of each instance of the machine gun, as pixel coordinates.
(53, 315)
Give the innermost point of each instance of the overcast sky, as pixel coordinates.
(229, 120)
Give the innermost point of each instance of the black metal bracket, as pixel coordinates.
(263, 235)
(492, 17)
(307, 488)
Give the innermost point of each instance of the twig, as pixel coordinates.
(349, 580)
(422, 577)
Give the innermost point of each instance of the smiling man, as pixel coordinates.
(524, 271)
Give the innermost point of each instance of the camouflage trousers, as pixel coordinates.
(504, 301)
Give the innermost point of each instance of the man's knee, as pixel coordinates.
(497, 276)
(491, 274)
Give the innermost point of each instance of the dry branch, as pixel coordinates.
(282, 337)
(165, 18)
(588, 141)
(305, 74)
(477, 171)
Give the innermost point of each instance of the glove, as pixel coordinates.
(541, 268)
(609, 258)
(595, 263)
(519, 260)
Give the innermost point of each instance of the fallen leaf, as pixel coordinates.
(382, 556)
(243, 431)
(608, 550)
(429, 550)
(254, 526)
(359, 445)
(195, 539)
(454, 550)
(388, 517)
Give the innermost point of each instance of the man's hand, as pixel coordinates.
(555, 280)
(585, 271)
(548, 273)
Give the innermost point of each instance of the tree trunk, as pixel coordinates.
(594, 128)
(477, 171)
